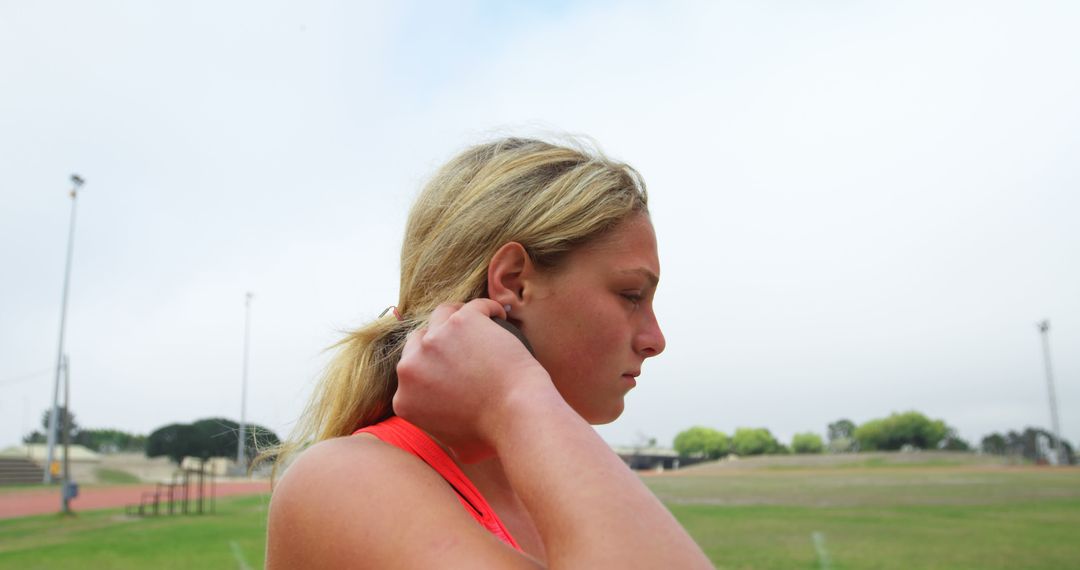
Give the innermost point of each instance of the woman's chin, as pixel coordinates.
(601, 417)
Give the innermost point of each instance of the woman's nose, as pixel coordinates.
(650, 341)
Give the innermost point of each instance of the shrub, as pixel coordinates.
(754, 441)
(898, 430)
(808, 442)
(702, 441)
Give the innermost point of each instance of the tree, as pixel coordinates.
(841, 429)
(898, 430)
(841, 435)
(42, 437)
(754, 441)
(808, 442)
(953, 442)
(1037, 445)
(174, 440)
(65, 419)
(1034, 444)
(212, 437)
(110, 440)
(217, 437)
(100, 440)
(1014, 443)
(702, 441)
(220, 436)
(34, 437)
(994, 444)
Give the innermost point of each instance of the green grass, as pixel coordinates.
(901, 538)
(877, 462)
(876, 517)
(869, 488)
(115, 477)
(109, 539)
(896, 518)
(20, 487)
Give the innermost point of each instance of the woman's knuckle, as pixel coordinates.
(406, 368)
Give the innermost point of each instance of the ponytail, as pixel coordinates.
(356, 390)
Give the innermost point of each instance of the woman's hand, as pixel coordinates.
(461, 377)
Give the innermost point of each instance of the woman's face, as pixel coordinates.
(591, 320)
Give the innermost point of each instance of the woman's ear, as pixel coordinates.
(506, 274)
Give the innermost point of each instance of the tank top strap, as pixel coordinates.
(407, 437)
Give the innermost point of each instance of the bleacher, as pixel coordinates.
(15, 470)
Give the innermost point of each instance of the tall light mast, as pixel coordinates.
(54, 420)
(1044, 331)
(240, 461)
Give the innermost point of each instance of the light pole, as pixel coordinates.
(77, 183)
(1044, 330)
(66, 494)
(243, 389)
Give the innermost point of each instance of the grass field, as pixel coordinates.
(234, 537)
(883, 518)
(20, 487)
(116, 477)
(870, 514)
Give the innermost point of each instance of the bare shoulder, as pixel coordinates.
(356, 502)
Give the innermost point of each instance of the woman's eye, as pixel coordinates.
(634, 298)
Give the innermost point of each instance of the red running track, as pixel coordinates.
(43, 501)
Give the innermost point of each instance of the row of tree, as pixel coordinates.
(1033, 444)
(213, 437)
(99, 440)
(897, 431)
(707, 442)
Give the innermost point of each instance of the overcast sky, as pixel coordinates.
(861, 207)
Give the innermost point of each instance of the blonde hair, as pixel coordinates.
(547, 197)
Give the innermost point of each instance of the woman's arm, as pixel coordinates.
(590, 509)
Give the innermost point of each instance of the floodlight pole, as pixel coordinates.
(65, 496)
(243, 389)
(1044, 330)
(77, 183)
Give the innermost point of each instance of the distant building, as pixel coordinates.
(650, 458)
(218, 466)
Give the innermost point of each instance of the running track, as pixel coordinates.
(43, 501)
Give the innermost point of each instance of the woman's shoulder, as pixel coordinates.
(344, 460)
(353, 468)
(356, 501)
(342, 484)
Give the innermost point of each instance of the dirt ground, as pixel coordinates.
(43, 501)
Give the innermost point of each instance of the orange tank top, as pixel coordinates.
(402, 434)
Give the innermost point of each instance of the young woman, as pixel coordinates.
(443, 442)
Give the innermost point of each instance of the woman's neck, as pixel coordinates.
(490, 479)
